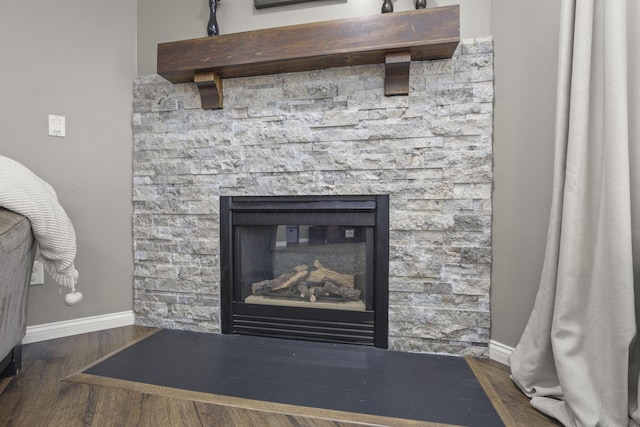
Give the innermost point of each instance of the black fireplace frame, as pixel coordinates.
(353, 327)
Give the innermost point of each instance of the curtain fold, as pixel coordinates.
(578, 357)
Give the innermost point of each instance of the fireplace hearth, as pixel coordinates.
(306, 267)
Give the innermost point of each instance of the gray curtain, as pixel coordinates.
(579, 356)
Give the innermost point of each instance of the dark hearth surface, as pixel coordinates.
(351, 378)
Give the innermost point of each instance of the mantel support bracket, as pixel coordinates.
(210, 87)
(396, 80)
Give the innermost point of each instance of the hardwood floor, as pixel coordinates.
(38, 397)
(516, 403)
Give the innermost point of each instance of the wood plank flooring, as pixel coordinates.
(38, 397)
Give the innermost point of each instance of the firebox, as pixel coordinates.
(306, 267)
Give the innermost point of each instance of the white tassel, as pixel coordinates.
(73, 298)
(68, 278)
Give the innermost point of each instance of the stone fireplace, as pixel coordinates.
(325, 132)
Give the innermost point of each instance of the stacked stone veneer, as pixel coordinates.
(325, 132)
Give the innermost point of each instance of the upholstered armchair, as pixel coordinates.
(17, 253)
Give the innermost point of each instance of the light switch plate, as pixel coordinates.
(57, 125)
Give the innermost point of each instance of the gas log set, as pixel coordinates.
(316, 284)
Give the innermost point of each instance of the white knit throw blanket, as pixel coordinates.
(25, 193)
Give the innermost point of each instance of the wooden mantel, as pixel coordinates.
(392, 38)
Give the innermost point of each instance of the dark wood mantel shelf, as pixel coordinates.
(391, 38)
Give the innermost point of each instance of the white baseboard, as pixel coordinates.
(499, 352)
(67, 328)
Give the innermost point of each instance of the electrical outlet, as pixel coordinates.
(37, 273)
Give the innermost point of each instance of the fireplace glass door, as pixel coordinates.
(304, 267)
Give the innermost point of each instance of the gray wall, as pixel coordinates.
(526, 60)
(75, 58)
